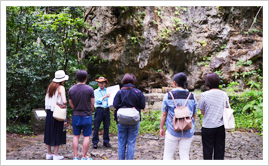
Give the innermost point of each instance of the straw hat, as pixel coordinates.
(101, 79)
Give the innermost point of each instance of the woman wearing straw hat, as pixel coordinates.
(54, 134)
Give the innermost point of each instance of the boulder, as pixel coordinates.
(38, 120)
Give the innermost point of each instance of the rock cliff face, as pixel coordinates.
(154, 43)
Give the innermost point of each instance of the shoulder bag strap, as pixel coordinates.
(187, 98)
(58, 92)
(226, 99)
(127, 87)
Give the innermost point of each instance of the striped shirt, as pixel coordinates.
(212, 102)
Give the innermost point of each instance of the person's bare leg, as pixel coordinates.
(49, 149)
(56, 149)
(86, 143)
(75, 145)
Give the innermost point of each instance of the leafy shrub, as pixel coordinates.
(248, 109)
(150, 122)
(19, 128)
(94, 84)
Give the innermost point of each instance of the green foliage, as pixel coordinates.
(154, 22)
(222, 85)
(94, 84)
(224, 46)
(159, 11)
(37, 45)
(150, 122)
(19, 128)
(177, 13)
(248, 108)
(242, 62)
(231, 87)
(202, 42)
(200, 116)
(236, 75)
(124, 7)
(113, 124)
(254, 30)
(254, 84)
(252, 121)
(205, 61)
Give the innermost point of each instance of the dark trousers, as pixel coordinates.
(213, 139)
(101, 115)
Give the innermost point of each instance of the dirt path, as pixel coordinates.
(239, 146)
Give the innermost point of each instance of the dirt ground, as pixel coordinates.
(16, 141)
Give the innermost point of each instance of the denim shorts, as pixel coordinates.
(82, 123)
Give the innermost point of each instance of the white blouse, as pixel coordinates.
(50, 102)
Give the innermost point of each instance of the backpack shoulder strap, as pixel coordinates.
(173, 98)
(187, 98)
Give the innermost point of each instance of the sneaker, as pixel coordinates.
(88, 158)
(49, 156)
(75, 158)
(58, 157)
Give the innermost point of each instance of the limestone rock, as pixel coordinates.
(154, 43)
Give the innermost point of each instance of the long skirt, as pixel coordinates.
(54, 134)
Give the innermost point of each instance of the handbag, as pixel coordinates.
(59, 113)
(182, 117)
(128, 116)
(228, 117)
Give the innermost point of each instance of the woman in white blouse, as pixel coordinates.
(54, 133)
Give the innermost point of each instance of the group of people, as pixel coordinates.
(83, 99)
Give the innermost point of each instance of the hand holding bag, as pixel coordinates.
(59, 113)
(228, 117)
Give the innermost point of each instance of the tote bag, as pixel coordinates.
(228, 117)
(59, 113)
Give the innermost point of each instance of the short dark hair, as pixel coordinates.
(128, 78)
(181, 80)
(212, 80)
(81, 75)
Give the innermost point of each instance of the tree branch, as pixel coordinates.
(254, 19)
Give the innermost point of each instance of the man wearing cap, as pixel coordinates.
(102, 113)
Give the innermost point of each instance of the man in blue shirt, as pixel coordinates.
(101, 113)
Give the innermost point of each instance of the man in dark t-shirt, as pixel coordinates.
(81, 100)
